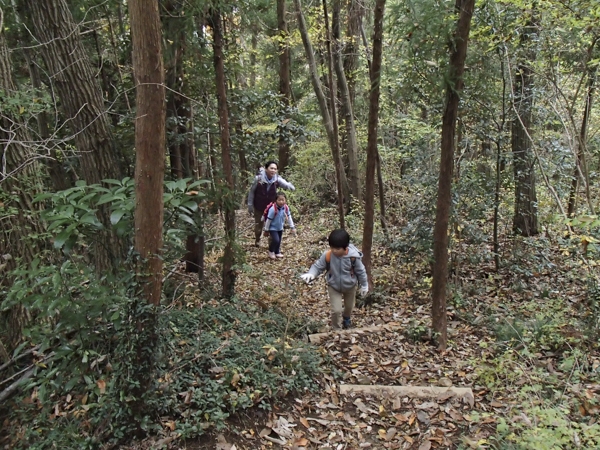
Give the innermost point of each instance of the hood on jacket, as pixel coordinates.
(353, 252)
(262, 177)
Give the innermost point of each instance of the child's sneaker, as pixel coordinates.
(279, 255)
(347, 323)
(272, 255)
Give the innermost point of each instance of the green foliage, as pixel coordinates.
(72, 214)
(204, 364)
(417, 332)
(314, 175)
(553, 430)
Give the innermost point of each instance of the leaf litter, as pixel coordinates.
(402, 354)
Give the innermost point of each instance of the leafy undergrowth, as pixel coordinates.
(524, 339)
(215, 358)
(240, 374)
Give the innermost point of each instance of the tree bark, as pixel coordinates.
(21, 235)
(343, 198)
(178, 107)
(372, 153)
(454, 84)
(228, 188)
(342, 182)
(347, 110)
(285, 89)
(351, 47)
(70, 71)
(149, 144)
(580, 170)
(59, 176)
(525, 220)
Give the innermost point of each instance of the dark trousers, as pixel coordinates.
(258, 224)
(275, 244)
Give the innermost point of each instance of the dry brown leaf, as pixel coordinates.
(390, 434)
(301, 442)
(425, 445)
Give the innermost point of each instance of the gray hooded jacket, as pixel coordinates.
(341, 277)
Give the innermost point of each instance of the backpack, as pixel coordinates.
(328, 262)
(286, 208)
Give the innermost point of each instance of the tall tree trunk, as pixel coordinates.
(372, 153)
(71, 74)
(285, 89)
(580, 170)
(525, 220)
(228, 188)
(148, 71)
(177, 103)
(20, 182)
(343, 197)
(454, 84)
(342, 182)
(347, 110)
(379, 159)
(351, 46)
(499, 169)
(149, 144)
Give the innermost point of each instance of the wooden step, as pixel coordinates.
(409, 391)
(390, 326)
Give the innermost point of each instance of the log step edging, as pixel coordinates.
(464, 393)
(318, 337)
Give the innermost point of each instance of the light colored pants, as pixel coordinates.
(342, 305)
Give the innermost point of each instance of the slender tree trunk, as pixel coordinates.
(380, 185)
(149, 144)
(347, 110)
(177, 104)
(285, 89)
(21, 235)
(580, 170)
(254, 43)
(72, 76)
(454, 84)
(343, 197)
(372, 153)
(342, 182)
(499, 169)
(525, 220)
(228, 274)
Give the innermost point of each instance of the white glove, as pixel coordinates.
(363, 290)
(307, 277)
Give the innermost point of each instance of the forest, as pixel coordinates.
(457, 143)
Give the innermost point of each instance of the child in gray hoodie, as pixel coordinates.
(344, 268)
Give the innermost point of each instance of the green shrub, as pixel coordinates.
(208, 361)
